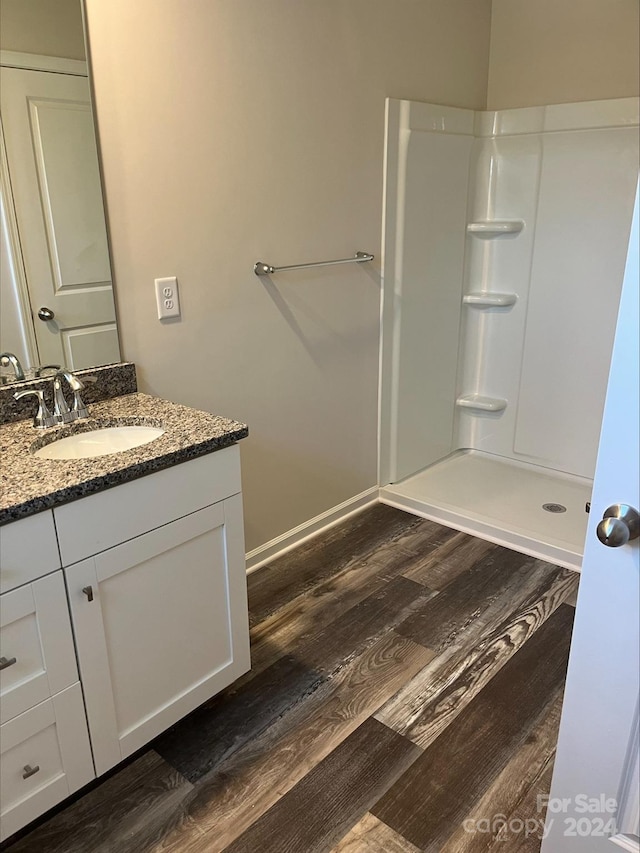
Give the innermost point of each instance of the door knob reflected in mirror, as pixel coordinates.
(46, 314)
(620, 524)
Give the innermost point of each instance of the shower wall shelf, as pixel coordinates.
(481, 404)
(480, 299)
(495, 227)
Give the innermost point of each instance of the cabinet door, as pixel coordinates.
(161, 626)
(38, 658)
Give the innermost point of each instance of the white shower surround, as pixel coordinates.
(528, 211)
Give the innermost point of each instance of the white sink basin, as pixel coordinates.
(99, 442)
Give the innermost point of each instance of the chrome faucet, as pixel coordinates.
(62, 414)
(10, 358)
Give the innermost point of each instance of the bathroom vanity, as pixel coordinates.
(122, 608)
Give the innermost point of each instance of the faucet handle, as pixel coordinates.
(43, 417)
(78, 407)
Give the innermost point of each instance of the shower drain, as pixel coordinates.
(554, 508)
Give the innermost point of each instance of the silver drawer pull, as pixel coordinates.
(88, 591)
(5, 663)
(29, 770)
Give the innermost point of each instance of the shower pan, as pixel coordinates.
(505, 238)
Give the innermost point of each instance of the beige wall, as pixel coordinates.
(239, 130)
(48, 27)
(559, 51)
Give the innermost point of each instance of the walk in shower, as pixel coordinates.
(505, 240)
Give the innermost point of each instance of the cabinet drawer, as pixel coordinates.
(108, 518)
(28, 550)
(45, 757)
(36, 645)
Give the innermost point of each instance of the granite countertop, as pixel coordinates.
(29, 484)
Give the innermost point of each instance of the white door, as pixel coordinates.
(55, 182)
(593, 806)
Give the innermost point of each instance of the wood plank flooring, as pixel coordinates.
(405, 696)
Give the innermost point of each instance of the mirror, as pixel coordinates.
(56, 289)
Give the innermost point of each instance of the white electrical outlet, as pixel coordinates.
(167, 297)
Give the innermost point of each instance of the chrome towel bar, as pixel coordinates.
(260, 268)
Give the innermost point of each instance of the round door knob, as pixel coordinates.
(620, 524)
(46, 314)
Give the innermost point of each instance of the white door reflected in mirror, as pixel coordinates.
(54, 190)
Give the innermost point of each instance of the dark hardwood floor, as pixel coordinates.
(405, 696)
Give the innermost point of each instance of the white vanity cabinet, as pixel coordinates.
(160, 619)
(44, 742)
(156, 588)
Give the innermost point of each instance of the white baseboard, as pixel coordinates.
(292, 538)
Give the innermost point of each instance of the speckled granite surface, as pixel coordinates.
(29, 484)
(112, 380)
